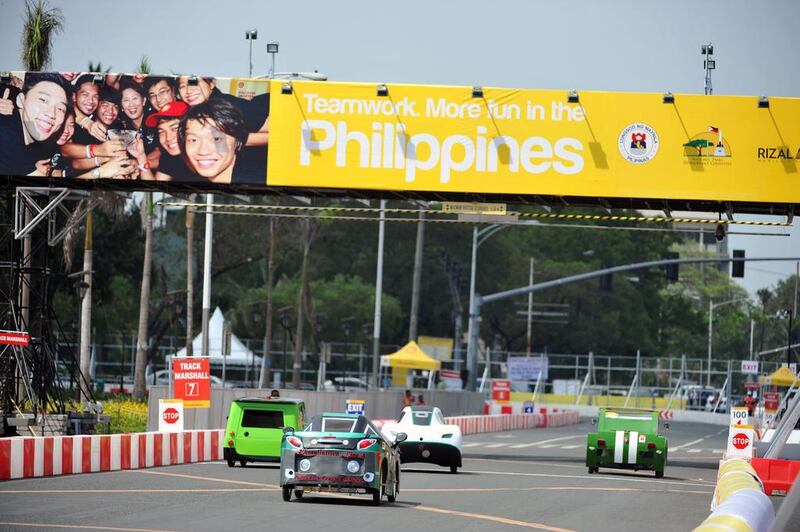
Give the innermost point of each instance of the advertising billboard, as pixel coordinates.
(535, 142)
(72, 128)
(209, 133)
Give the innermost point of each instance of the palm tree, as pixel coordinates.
(143, 337)
(40, 26)
(308, 228)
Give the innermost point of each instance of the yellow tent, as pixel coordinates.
(782, 377)
(409, 357)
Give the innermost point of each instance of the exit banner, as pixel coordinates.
(510, 141)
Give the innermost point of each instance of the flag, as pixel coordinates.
(713, 129)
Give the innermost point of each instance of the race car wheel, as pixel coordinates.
(287, 494)
(660, 474)
(391, 496)
(593, 470)
(454, 469)
(298, 494)
(231, 462)
(376, 497)
(243, 463)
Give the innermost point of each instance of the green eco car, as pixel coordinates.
(627, 439)
(255, 428)
(342, 453)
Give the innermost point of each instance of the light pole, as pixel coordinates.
(478, 238)
(788, 313)
(376, 328)
(709, 64)
(272, 49)
(711, 307)
(251, 35)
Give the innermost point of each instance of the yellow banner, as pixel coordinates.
(508, 141)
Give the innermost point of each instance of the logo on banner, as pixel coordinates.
(710, 143)
(638, 143)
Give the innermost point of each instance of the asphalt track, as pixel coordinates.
(534, 479)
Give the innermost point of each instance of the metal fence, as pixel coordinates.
(582, 373)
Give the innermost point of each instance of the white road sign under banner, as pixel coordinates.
(527, 368)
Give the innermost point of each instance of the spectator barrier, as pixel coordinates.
(25, 457)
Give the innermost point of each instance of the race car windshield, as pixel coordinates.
(422, 418)
(335, 424)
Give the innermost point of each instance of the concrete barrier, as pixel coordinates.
(739, 503)
(25, 457)
(385, 404)
(674, 415)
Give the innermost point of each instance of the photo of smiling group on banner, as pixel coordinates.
(177, 129)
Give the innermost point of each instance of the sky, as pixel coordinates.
(581, 44)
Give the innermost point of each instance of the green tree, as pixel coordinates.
(41, 25)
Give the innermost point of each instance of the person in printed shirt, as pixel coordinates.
(171, 165)
(212, 136)
(160, 92)
(133, 99)
(34, 123)
(253, 155)
(86, 154)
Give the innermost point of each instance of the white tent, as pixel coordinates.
(240, 355)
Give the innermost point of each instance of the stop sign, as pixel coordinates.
(170, 415)
(741, 440)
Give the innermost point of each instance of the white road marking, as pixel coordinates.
(694, 450)
(618, 478)
(495, 445)
(548, 446)
(698, 440)
(571, 446)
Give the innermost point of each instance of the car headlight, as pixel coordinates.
(353, 466)
(305, 464)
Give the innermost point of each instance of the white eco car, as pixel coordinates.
(429, 438)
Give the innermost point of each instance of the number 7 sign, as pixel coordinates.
(192, 381)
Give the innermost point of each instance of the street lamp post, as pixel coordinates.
(272, 49)
(251, 35)
(711, 307)
(478, 238)
(788, 313)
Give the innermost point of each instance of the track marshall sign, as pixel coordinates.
(17, 338)
(191, 378)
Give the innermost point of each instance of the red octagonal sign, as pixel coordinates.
(741, 440)
(170, 415)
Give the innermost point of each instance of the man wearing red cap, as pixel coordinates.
(170, 165)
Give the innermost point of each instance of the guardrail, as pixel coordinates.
(25, 457)
(739, 502)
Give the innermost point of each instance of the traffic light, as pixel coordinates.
(672, 269)
(737, 266)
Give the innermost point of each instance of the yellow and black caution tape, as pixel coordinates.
(338, 212)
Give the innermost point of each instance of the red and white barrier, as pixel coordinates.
(503, 422)
(497, 423)
(25, 457)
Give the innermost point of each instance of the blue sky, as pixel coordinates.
(583, 44)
